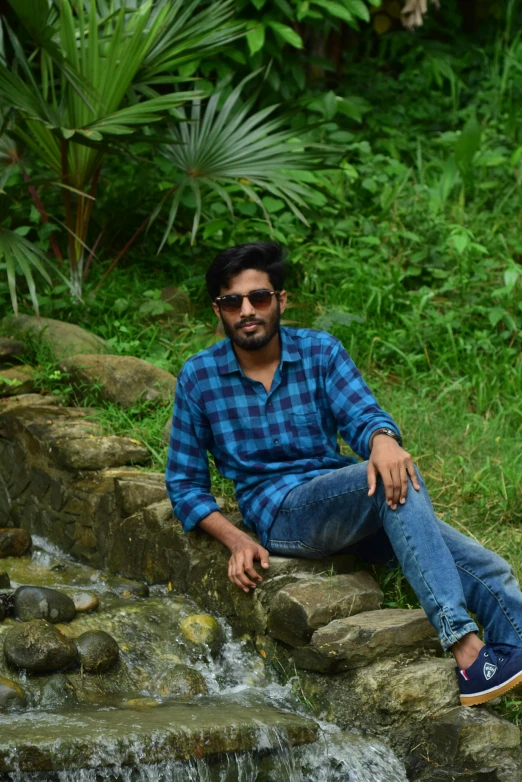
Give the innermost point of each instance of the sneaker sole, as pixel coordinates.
(494, 692)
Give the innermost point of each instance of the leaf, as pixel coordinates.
(468, 143)
(287, 34)
(358, 8)
(256, 38)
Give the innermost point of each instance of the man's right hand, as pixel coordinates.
(241, 570)
(245, 551)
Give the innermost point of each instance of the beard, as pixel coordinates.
(253, 341)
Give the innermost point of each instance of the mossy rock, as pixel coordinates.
(38, 647)
(202, 630)
(31, 602)
(97, 650)
(183, 683)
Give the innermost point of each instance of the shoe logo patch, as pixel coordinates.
(489, 671)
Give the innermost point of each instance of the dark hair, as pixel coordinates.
(265, 256)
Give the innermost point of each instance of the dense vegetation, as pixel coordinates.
(388, 162)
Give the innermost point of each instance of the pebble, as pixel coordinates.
(85, 602)
(14, 542)
(31, 602)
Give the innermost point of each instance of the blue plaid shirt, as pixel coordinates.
(267, 442)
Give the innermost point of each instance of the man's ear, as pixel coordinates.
(282, 301)
(216, 309)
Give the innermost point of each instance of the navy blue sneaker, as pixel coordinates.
(496, 671)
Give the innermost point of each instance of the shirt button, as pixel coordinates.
(276, 441)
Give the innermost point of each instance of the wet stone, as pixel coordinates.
(12, 696)
(14, 542)
(202, 630)
(183, 683)
(43, 603)
(84, 602)
(97, 650)
(56, 692)
(5, 581)
(38, 647)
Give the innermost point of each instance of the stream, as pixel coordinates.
(223, 716)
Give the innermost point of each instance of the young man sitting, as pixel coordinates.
(268, 402)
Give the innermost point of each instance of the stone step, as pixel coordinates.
(356, 641)
(299, 609)
(125, 737)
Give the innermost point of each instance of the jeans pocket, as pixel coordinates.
(293, 548)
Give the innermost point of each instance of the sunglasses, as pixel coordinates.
(233, 302)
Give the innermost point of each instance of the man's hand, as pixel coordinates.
(394, 465)
(241, 570)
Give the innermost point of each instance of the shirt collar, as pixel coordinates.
(227, 362)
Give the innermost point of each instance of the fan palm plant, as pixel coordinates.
(224, 143)
(93, 80)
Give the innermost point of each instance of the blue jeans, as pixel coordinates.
(449, 572)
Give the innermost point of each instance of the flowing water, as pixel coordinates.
(129, 724)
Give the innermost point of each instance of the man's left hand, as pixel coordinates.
(394, 465)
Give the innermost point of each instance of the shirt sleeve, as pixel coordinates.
(353, 404)
(187, 476)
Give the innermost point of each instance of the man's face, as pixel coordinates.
(249, 328)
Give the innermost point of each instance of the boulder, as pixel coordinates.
(12, 696)
(32, 602)
(182, 682)
(299, 609)
(15, 381)
(84, 602)
(202, 630)
(97, 651)
(14, 542)
(10, 349)
(38, 647)
(359, 640)
(123, 380)
(63, 339)
(98, 453)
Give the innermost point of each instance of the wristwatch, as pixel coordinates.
(389, 432)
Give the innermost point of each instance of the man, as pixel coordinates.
(268, 403)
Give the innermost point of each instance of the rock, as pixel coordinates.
(97, 650)
(133, 494)
(464, 736)
(182, 682)
(10, 349)
(299, 609)
(31, 602)
(12, 696)
(359, 640)
(139, 703)
(204, 631)
(15, 381)
(56, 692)
(38, 647)
(5, 581)
(14, 542)
(63, 339)
(2, 611)
(124, 587)
(98, 453)
(179, 302)
(123, 380)
(85, 602)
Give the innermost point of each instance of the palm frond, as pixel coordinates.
(20, 256)
(214, 147)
